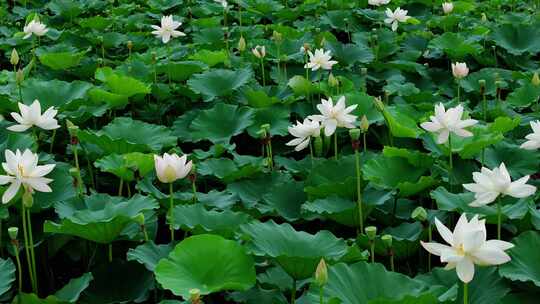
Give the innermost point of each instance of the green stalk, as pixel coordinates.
(1, 248)
(499, 218)
(52, 141)
(19, 267)
(293, 292)
(392, 267)
(270, 154)
(110, 252)
(450, 161)
(79, 178)
(120, 187)
(430, 237)
(32, 250)
(372, 250)
(364, 139)
(194, 189)
(465, 293)
(458, 91)
(311, 152)
(321, 295)
(171, 205)
(359, 190)
(262, 71)
(143, 228)
(484, 110)
(27, 247)
(335, 145)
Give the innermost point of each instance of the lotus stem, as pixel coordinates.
(450, 161)
(372, 250)
(32, 250)
(171, 220)
(145, 233)
(78, 173)
(499, 218)
(311, 152)
(335, 146)
(18, 260)
(364, 141)
(262, 71)
(110, 252)
(321, 294)
(359, 190)
(430, 237)
(484, 110)
(465, 293)
(392, 267)
(293, 292)
(27, 247)
(1, 248)
(458, 92)
(120, 187)
(194, 189)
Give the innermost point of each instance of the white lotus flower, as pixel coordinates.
(396, 17)
(304, 131)
(378, 2)
(468, 246)
(223, 3)
(259, 51)
(31, 116)
(489, 184)
(22, 169)
(167, 29)
(533, 139)
(448, 7)
(444, 122)
(334, 116)
(460, 70)
(171, 167)
(320, 60)
(34, 27)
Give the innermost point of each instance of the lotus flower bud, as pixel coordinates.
(74, 172)
(318, 145)
(277, 36)
(419, 214)
(387, 240)
(447, 7)
(354, 133)
(364, 124)
(27, 198)
(379, 104)
(242, 44)
(371, 232)
(13, 232)
(535, 79)
(72, 128)
(259, 51)
(139, 218)
(154, 57)
(321, 273)
(305, 48)
(14, 58)
(19, 77)
(129, 45)
(195, 296)
(484, 17)
(333, 81)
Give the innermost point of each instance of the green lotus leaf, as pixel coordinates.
(180, 71)
(490, 75)
(30, 298)
(14, 140)
(66, 8)
(108, 145)
(286, 199)
(115, 164)
(378, 284)
(154, 137)
(207, 262)
(251, 191)
(149, 254)
(198, 219)
(54, 93)
(259, 98)
(143, 162)
(349, 54)
(516, 38)
(121, 84)
(211, 58)
(400, 123)
(61, 58)
(277, 117)
(62, 187)
(221, 122)
(455, 45)
(71, 292)
(227, 169)
(525, 95)
(519, 162)
(113, 100)
(7, 275)
(99, 23)
(298, 252)
(524, 265)
(392, 172)
(301, 86)
(217, 83)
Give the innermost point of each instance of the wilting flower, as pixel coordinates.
(533, 141)
(31, 116)
(222, 2)
(460, 70)
(304, 131)
(468, 246)
(489, 184)
(446, 122)
(171, 167)
(334, 116)
(378, 2)
(167, 29)
(448, 7)
(259, 51)
(34, 27)
(396, 17)
(22, 169)
(320, 60)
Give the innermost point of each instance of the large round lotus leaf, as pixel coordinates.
(455, 45)
(62, 186)
(363, 282)
(155, 137)
(298, 252)
(7, 275)
(60, 57)
(108, 145)
(180, 71)
(221, 122)
(391, 172)
(121, 84)
(115, 164)
(214, 83)
(286, 199)
(516, 38)
(226, 169)
(211, 58)
(349, 54)
(14, 140)
(400, 122)
(54, 92)
(525, 265)
(207, 262)
(519, 162)
(149, 254)
(72, 291)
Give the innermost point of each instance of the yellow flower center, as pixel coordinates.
(20, 169)
(169, 173)
(460, 250)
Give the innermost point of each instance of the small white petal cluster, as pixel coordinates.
(171, 167)
(22, 169)
(223, 3)
(334, 116)
(320, 60)
(304, 131)
(446, 122)
(460, 70)
(468, 246)
(533, 139)
(167, 30)
(378, 2)
(34, 27)
(395, 17)
(259, 51)
(448, 7)
(31, 116)
(489, 184)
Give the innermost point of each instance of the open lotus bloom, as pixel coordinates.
(31, 116)
(395, 17)
(320, 60)
(489, 184)
(171, 167)
(22, 169)
(460, 70)
(468, 246)
(304, 131)
(446, 122)
(447, 7)
(533, 139)
(332, 116)
(167, 29)
(36, 28)
(378, 2)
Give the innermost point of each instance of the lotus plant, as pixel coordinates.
(321, 59)
(492, 184)
(22, 170)
(378, 2)
(447, 7)
(31, 116)
(168, 29)
(304, 131)
(260, 52)
(460, 71)
(35, 27)
(395, 17)
(170, 168)
(467, 246)
(533, 139)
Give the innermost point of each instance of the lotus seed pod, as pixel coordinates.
(364, 124)
(13, 232)
(266, 127)
(482, 83)
(321, 273)
(139, 219)
(194, 295)
(14, 58)
(387, 240)
(242, 44)
(354, 133)
(130, 44)
(277, 36)
(19, 77)
(379, 104)
(306, 47)
(535, 79)
(419, 214)
(27, 198)
(371, 232)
